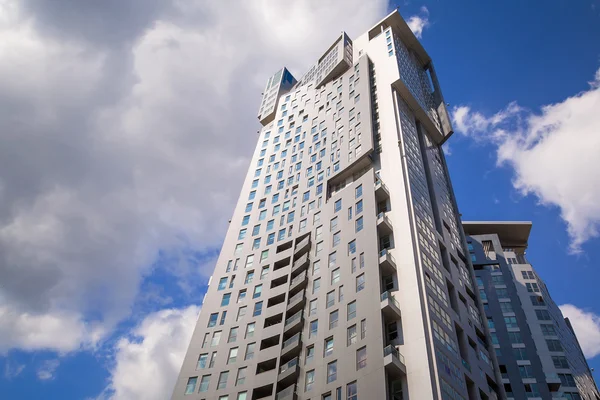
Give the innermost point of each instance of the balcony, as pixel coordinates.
(296, 302)
(384, 225)
(298, 283)
(390, 307)
(387, 262)
(381, 191)
(393, 361)
(302, 247)
(288, 372)
(300, 264)
(553, 382)
(291, 346)
(293, 324)
(289, 393)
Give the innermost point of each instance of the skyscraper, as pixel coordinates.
(344, 273)
(537, 350)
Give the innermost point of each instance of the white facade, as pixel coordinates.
(344, 271)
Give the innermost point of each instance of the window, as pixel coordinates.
(264, 255)
(554, 345)
(250, 330)
(264, 272)
(232, 355)
(312, 308)
(314, 328)
(537, 301)
(257, 291)
(515, 337)
(335, 276)
(333, 319)
(519, 354)
(249, 351)
(560, 362)
(351, 335)
(361, 358)
(222, 283)
(216, 338)
(328, 348)
(256, 244)
(336, 238)
(330, 299)
(190, 388)
(548, 330)
(542, 315)
(257, 309)
(567, 380)
(232, 335)
(349, 213)
(525, 371)
(352, 247)
(310, 380)
(241, 313)
(532, 287)
(245, 220)
(252, 195)
(310, 353)
(358, 191)
(358, 225)
(241, 295)
(337, 205)
(212, 320)
(204, 382)
(501, 293)
(360, 282)
(225, 299)
(241, 376)
(352, 392)
(363, 328)
(242, 234)
(222, 384)
(223, 315)
(351, 310)
(316, 267)
(213, 358)
(359, 207)
(511, 322)
(316, 285)
(202, 361)
(262, 215)
(506, 307)
(527, 274)
(331, 371)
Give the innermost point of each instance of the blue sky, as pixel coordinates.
(110, 227)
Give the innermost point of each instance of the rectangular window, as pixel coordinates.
(352, 392)
(250, 330)
(222, 384)
(335, 276)
(190, 388)
(352, 247)
(225, 299)
(216, 338)
(204, 382)
(202, 360)
(314, 328)
(511, 322)
(358, 191)
(336, 239)
(554, 345)
(543, 315)
(330, 299)
(222, 283)
(351, 308)
(241, 313)
(241, 295)
(359, 207)
(249, 351)
(331, 371)
(232, 335)
(257, 309)
(310, 353)
(363, 328)
(212, 320)
(337, 205)
(328, 348)
(333, 319)
(257, 291)
(359, 225)
(223, 316)
(351, 335)
(232, 355)
(360, 282)
(316, 285)
(361, 358)
(241, 377)
(333, 224)
(309, 381)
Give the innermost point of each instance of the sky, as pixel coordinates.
(127, 127)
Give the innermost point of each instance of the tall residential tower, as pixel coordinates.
(344, 273)
(538, 353)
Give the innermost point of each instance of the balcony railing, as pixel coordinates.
(292, 319)
(291, 340)
(290, 364)
(387, 350)
(296, 297)
(390, 297)
(298, 279)
(287, 393)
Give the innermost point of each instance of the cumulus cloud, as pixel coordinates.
(125, 128)
(417, 23)
(146, 362)
(553, 153)
(586, 325)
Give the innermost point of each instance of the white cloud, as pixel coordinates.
(47, 370)
(586, 325)
(128, 137)
(147, 362)
(417, 23)
(12, 371)
(554, 154)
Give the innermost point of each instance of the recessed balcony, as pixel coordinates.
(288, 372)
(553, 382)
(296, 302)
(381, 191)
(300, 264)
(302, 247)
(289, 393)
(292, 346)
(293, 324)
(298, 283)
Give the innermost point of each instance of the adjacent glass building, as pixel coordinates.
(537, 351)
(344, 273)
